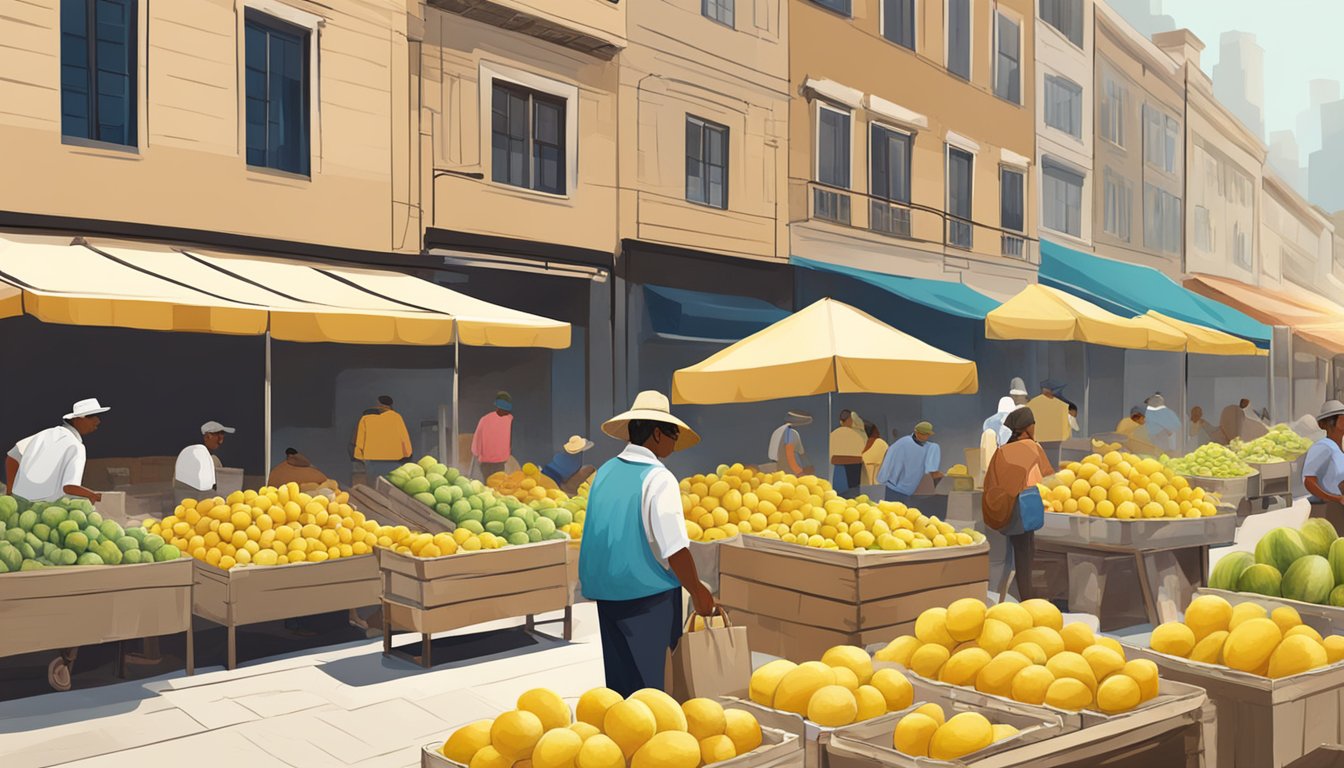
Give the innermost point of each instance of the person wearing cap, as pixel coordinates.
(381, 440)
(1052, 413)
(908, 461)
(1135, 431)
(786, 446)
(1011, 503)
(1163, 424)
(1017, 390)
(1323, 467)
(492, 444)
(847, 443)
(194, 473)
(635, 556)
(566, 467)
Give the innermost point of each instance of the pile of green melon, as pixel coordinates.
(41, 534)
(1305, 564)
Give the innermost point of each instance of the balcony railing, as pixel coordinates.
(1014, 246)
(831, 204)
(889, 217)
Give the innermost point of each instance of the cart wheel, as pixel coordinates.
(58, 674)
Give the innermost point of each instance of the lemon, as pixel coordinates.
(1144, 672)
(1244, 612)
(1073, 665)
(898, 651)
(1003, 731)
(1286, 617)
(1012, 614)
(585, 730)
(871, 703)
(557, 748)
(1030, 684)
(844, 676)
(1303, 629)
(997, 676)
(1250, 645)
(1295, 655)
(913, 734)
(666, 711)
(898, 692)
(593, 704)
(1077, 636)
(1068, 693)
(515, 733)
(704, 718)
(797, 686)
(1210, 649)
(764, 682)
(1208, 614)
(832, 706)
(547, 706)
(929, 659)
(963, 734)
(716, 749)
(630, 724)
(1113, 644)
(1033, 652)
(965, 619)
(668, 749)
(600, 751)
(1334, 648)
(931, 627)
(490, 757)
(1044, 614)
(995, 636)
(1173, 638)
(963, 667)
(1103, 661)
(1118, 693)
(1045, 637)
(467, 741)
(743, 729)
(852, 657)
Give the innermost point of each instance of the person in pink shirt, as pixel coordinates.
(492, 445)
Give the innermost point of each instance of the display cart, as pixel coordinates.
(1276, 484)
(1233, 492)
(418, 517)
(440, 594)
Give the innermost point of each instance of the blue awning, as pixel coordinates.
(1132, 289)
(683, 314)
(954, 299)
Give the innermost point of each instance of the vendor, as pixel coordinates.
(785, 451)
(874, 451)
(492, 443)
(1163, 424)
(296, 468)
(566, 467)
(381, 440)
(847, 443)
(1011, 503)
(635, 557)
(1052, 413)
(1135, 431)
(194, 473)
(1201, 431)
(909, 460)
(1323, 468)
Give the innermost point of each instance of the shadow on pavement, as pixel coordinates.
(447, 652)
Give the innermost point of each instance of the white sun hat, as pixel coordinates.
(89, 407)
(577, 444)
(650, 406)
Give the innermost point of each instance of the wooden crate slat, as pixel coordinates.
(442, 592)
(451, 617)
(93, 579)
(67, 621)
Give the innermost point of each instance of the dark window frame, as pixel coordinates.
(845, 7)
(531, 142)
(952, 66)
(961, 228)
(1051, 12)
(705, 129)
(907, 23)
(714, 14)
(1014, 83)
(93, 85)
(272, 160)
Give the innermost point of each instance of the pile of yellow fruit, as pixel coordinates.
(806, 511)
(1247, 638)
(647, 730)
(1101, 446)
(526, 484)
(839, 690)
(927, 732)
(1124, 487)
(1025, 652)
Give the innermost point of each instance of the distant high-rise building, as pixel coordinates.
(1145, 16)
(1309, 119)
(1325, 179)
(1239, 79)
(1286, 159)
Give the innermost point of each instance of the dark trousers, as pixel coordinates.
(1023, 547)
(636, 636)
(893, 495)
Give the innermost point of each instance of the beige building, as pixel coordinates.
(1139, 146)
(912, 138)
(1296, 241)
(1064, 115)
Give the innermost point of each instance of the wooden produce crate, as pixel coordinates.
(376, 506)
(572, 548)
(799, 601)
(707, 560)
(250, 594)
(1157, 533)
(1232, 491)
(1326, 619)
(440, 594)
(1262, 722)
(67, 607)
(407, 508)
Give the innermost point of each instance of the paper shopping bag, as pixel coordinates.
(712, 661)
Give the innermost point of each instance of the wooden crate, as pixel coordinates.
(799, 601)
(251, 594)
(1326, 619)
(418, 516)
(58, 608)
(440, 594)
(1160, 533)
(376, 506)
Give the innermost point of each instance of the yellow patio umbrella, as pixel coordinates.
(1202, 340)
(825, 348)
(1042, 313)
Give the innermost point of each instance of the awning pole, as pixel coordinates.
(266, 408)
(457, 358)
(830, 419)
(1087, 395)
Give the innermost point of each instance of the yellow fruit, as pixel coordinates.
(899, 651)
(547, 706)
(1250, 645)
(716, 749)
(931, 627)
(593, 705)
(995, 636)
(1012, 614)
(846, 678)
(854, 658)
(1068, 693)
(490, 757)
(1118, 693)
(666, 711)
(630, 724)
(704, 718)
(963, 734)
(1032, 651)
(1077, 636)
(557, 748)
(1003, 731)
(1303, 629)
(1112, 643)
(764, 681)
(1047, 638)
(929, 659)
(832, 706)
(1286, 617)
(585, 730)
(1244, 612)
(913, 734)
(668, 749)
(965, 619)
(515, 733)
(467, 741)
(1143, 672)
(997, 676)
(797, 686)
(743, 729)
(1210, 649)
(934, 711)
(896, 688)
(1070, 664)
(1207, 614)
(871, 703)
(600, 751)
(1031, 683)
(963, 667)
(1103, 661)
(1173, 638)
(1334, 648)
(1044, 614)
(1295, 655)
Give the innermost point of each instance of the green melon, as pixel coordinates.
(1261, 579)
(1309, 580)
(416, 485)
(425, 498)
(89, 558)
(78, 542)
(1337, 596)
(11, 557)
(443, 494)
(1336, 558)
(436, 481)
(1318, 534)
(167, 552)
(1280, 548)
(520, 538)
(496, 527)
(514, 525)
(474, 526)
(460, 510)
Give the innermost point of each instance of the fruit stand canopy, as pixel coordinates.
(951, 298)
(1314, 320)
(1041, 313)
(147, 287)
(683, 314)
(823, 348)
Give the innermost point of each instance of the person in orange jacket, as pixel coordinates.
(381, 441)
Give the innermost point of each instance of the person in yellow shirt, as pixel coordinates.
(381, 441)
(1052, 414)
(1138, 440)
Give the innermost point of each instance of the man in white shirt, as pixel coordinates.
(196, 464)
(50, 464)
(1323, 468)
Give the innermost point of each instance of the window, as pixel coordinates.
(1062, 199)
(706, 162)
(527, 138)
(889, 182)
(898, 22)
(718, 10)
(98, 70)
(1160, 136)
(277, 94)
(839, 6)
(1007, 59)
(1162, 222)
(1203, 229)
(1012, 205)
(832, 164)
(960, 165)
(1241, 244)
(1066, 16)
(959, 38)
(1113, 98)
(1064, 105)
(1118, 196)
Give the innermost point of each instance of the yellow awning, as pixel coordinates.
(1041, 313)
(826, 347)
(1209, 341)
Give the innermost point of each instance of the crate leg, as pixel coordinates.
(529, 622)
(121, 659)
(387, 635)
(569, 623)
(191, 649)
(425, 646)
(1149, 601)
(233, 647)
(1087, 582)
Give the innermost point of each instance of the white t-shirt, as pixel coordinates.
(48, 461)
(664, 523)
(1325, 462)
(196, 467)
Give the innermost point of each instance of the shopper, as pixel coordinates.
(492, 445)
(296, 468)
(786, 446)
(1163, 425)
(1074, 428)
(635, 558)
(1011, 503)
(908, 461)
(1135, 431)
(1201, 431)
(995, 423)
(1052, 413)
(194, 472)
(847, 442)
(566, 467)
(874, 451)
(1323, 468)
(381, 440)
(1017, 390)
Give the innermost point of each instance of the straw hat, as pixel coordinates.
(577, 444)
(650, 406)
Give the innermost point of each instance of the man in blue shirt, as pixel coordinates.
(566, 467)
(1323, 468)
(908, 460)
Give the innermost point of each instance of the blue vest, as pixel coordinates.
(615, 559)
